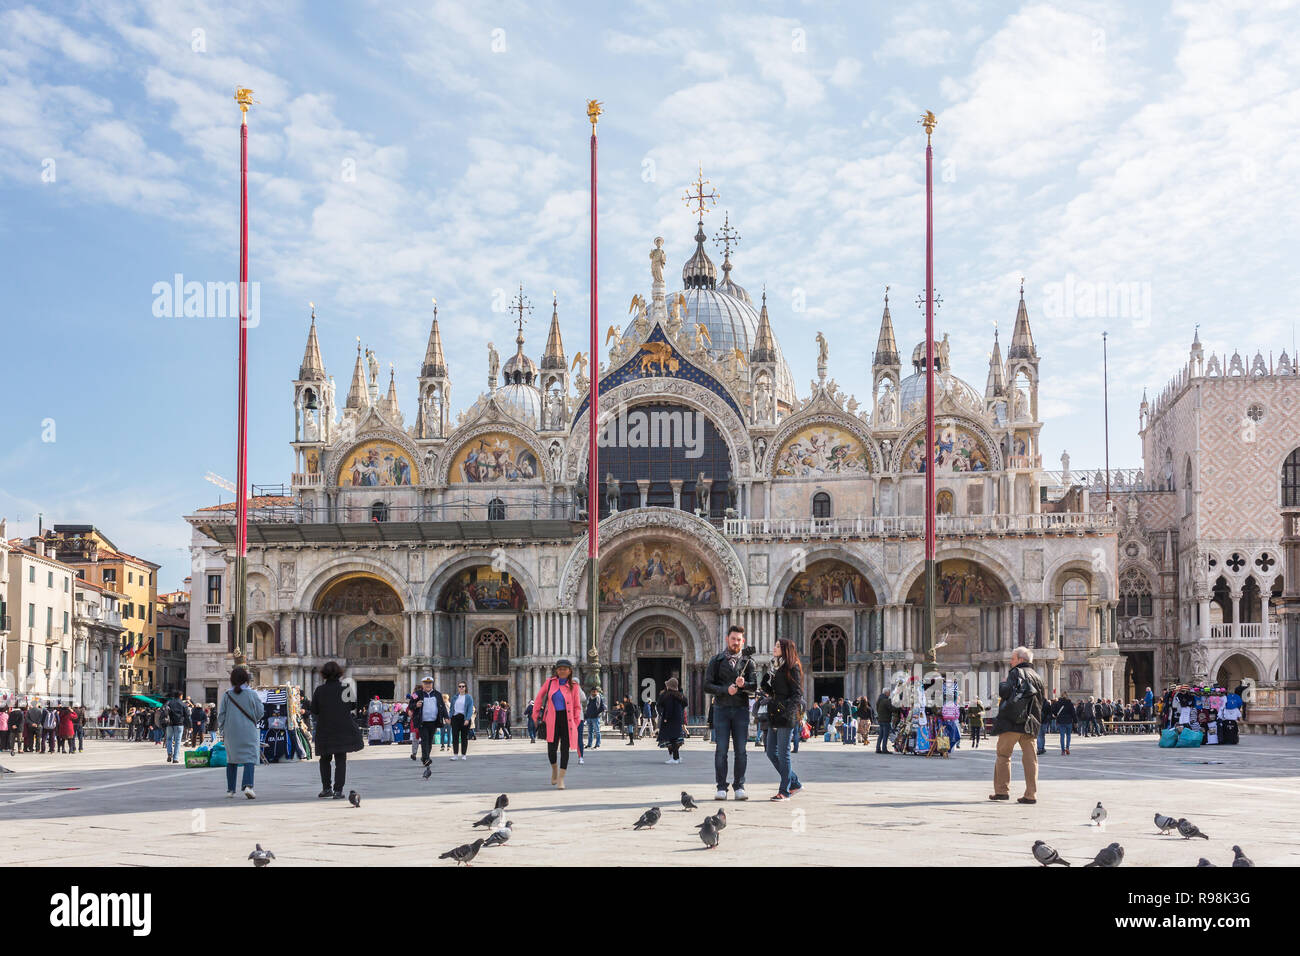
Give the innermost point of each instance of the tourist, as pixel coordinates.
(198, 725)
(4, 727)
(532, 724)
(629, 720)
(505, 720)
(238, 717)
(884, 721)
(175, 717)
(671, 708)
(1020, 715)
(730, 678)
(560, 708)
(1043, 723)
(595, 707)
(862, 732)
(494, 716)
(975, 721)
(815, 718)
(337, 734)
(66, 729)
(50, 728)
(428, 712)
(462, 719)
(1065, 716)
(783, 683)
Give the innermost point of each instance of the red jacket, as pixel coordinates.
(572, 708)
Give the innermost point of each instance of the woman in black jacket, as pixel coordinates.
(783, 684)
(1065, 715)
(672, 720)
(336, 732)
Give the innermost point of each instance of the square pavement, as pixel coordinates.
(120, 804)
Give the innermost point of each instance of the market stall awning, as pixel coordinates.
(147, 700)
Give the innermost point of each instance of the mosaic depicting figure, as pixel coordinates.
(955, 449)
(958, 581)
(482, 589)
(820, 451)
(655, 567)
(494, 458)
(377, 464)
(829, 583)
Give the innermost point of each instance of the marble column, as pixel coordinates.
(677, 493)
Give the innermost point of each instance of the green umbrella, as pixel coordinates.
(147, 700)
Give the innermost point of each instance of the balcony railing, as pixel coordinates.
(308, 480)
(212, 610)
(885, 526)
(532, 510)
(1246, 632)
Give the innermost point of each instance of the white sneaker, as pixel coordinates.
(230, 794)
(677, 760)
(248, 792)
(580, 760)
(454, 757)
(740, 794)
(670, 760)
(720, 795)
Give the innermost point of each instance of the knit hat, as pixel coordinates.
(671, 683)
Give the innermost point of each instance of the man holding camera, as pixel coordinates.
(1020, 715)
(731, 679)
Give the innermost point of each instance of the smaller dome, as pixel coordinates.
(911, 390)
(520, 369)
(729, 286)
(699, 271)
(522, 401)
(918, 357)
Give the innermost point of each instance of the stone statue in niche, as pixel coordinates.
(611, 492)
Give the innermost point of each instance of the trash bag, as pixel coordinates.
(218, 757)
(1169, 737)
(1189, 738)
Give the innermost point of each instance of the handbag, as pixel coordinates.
(540, 719)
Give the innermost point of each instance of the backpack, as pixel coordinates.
(159, 719)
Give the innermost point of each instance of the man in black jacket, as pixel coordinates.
(1020, 715)
(885, 719)
(731, 679)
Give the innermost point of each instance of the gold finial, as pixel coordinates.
(594, 109)
(1022, 287)
(929, 121)
(313, 310)
(244, 97)
(700, 199)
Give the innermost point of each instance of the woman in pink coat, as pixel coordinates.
(560, 705)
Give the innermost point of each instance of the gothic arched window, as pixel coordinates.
(821, 505)
(828, 649)
(1134, 594)
(1291, 480)
(491, 653)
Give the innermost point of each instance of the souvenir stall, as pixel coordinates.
(1203, 714)
(920, 731)
(381, 716)
(283, 737)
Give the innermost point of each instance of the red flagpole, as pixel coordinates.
(593, 413)
(245, 99)
(928, 120)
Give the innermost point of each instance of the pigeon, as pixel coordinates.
(354, 798)
(719, 821)
(428, 772)
(1112, 855)
(648, 819)
(1239, 858)
(688, 802)
(1204, 862)
(463, 853)
(4, 769)
(261, 857)
(1099, 814)
(1045, 855)
(502, 802)
(492, 819)
(501, 835)
(1164, 824)
(1188, 829)
(709, 833)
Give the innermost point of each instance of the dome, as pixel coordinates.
(522, 401)
(729, 286)
(912, 390)
(520, 369)
(918, 357)
(732, 324)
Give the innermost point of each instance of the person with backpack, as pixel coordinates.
(238, 719)
(1020, 715)
(174, 719)
(595, 707)
(629, 720)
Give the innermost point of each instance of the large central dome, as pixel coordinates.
(726, 311)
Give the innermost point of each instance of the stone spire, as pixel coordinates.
(995, 386)
(699, 271)
(358, 396)
(764, 349)
(886, 346)
(312, 368)
(435, 364)
(553, 358)
(1022, 339)
(390, 400)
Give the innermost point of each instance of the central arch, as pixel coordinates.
(369, 620)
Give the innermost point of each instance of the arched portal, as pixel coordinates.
(369, 624)
(1236, 669)
(829, 613)
(972, 605)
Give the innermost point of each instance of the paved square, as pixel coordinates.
(859, 808)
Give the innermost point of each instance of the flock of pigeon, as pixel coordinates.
(494, 820)
(709, 829)
(1113, 855)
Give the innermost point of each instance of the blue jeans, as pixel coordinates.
(532, 730)
(175, 736)
(230, 775)
(777, 746)
(1065, 729)
(1042, 736)
(730, 724)
(593, 731)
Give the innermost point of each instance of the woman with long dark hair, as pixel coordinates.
(559, 704)
(672, 720)
(336, 732)
(783, 684)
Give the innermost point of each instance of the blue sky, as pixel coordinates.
(404, 152)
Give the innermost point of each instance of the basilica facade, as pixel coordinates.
(728, 495)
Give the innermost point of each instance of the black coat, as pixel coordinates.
(720, 675)
(1022, 696)
(672, 717)
(884, 709)
(1064, 711)
(785, 691)
(336, 731)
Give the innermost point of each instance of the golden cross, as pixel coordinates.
(700, 199)
(727, 235)
(521, 305)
